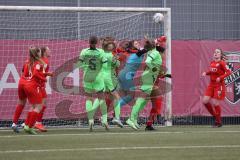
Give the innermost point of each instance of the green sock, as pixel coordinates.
(138, 106)
(91, 108)
(117, 110)
(103, 108)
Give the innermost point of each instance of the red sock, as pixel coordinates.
(40, 114)
(151, 119)
(28, 117)
(32, 119)
(218, 114)
(108, 102)
(17, 113)
(157, 102)
(156, 109)
(210, 109)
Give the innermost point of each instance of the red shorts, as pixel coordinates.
(30, 91)
(44, 93)
(33, 93)
(216, 91)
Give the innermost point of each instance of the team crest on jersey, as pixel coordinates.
(38, 66)
(233, 81)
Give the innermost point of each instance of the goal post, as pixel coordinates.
(168, 97)
(65, 30)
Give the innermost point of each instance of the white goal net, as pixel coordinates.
(65, 30)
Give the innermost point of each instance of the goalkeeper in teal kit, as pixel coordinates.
(92, 61)
(153, 62)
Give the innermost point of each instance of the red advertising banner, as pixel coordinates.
(189, 60)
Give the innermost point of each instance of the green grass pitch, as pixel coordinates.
(167, 143)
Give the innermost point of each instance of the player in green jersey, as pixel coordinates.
(92, 61)
(110, 78)
(153, 62)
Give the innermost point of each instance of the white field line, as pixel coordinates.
(117, 133)
(7, 129)
(88, 134)
(118, 148)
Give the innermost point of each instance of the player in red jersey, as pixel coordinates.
(29, 87)
(45, 54)
(215, 91)
(22, 98)
(156, 97)
(156, 100)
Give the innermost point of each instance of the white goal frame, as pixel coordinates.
(167, 32)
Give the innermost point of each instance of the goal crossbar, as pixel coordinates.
(80, 9)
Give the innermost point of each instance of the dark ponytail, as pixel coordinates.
(93, 40)
(223, 56)
(43, 50)
(149, 45)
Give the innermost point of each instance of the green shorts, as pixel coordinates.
(94, 87)
(110, 84)
(148, 83)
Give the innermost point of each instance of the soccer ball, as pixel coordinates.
(158, 17)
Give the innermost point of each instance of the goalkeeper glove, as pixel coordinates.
(141, 52)
(168, 75)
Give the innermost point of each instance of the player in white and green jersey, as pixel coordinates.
(92, 61)
(110, 77)
(153, 63)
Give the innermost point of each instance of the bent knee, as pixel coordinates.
(205, 100)
(215, 102)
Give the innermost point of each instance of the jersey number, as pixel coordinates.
(92, 64)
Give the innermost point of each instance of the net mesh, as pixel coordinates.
(65, 33)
